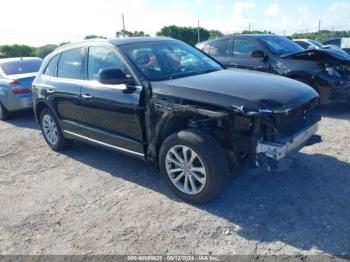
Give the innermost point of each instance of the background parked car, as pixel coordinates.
(343, 43)
(314, 44)
(16, 77)
(327, 72)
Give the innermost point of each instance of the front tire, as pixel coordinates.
(194, 165)
(4, 114)
(52, 131)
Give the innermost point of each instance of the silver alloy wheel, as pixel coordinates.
(50, 129)
(185, 169)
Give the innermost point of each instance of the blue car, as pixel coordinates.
(16, 77)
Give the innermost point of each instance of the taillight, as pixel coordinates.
(14, 83)
(17, 89)
(21, 91)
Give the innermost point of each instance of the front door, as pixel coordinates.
(112, 112)
(242, 55)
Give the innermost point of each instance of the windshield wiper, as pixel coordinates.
(184, 74)
(208, 71)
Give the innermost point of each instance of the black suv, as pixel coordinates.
(327, 71)
(164, 101)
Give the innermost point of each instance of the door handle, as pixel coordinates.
(50, 90)
(86, 96)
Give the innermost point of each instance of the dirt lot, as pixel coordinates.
(92, 201)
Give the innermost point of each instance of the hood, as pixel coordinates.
(244, 91)
(320, 55)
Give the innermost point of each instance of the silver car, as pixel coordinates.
(16, 77)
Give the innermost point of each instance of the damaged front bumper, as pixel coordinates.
(340, 90)
(279, 150)
(333, 89)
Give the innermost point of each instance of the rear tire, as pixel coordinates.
(206, 175)
(4, 114)
(52, 131)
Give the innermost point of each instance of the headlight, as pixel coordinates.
(332, 71)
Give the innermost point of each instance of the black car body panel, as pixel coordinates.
(251, 92)
(326, 71)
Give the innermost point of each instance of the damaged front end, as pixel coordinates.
(264, 117)
(273, 136)
(332, 78)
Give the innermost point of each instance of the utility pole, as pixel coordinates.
(319, 25)
(123, 25)
(249, 27)
(198, 32)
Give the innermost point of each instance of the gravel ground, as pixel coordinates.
(88, 200)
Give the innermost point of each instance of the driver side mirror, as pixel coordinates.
(114, 76)
(259, 54)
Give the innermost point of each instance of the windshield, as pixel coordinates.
(279, 45)
(162, 60)
(21, 66)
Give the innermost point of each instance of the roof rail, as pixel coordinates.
(81, 42)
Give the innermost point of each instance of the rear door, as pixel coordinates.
(220, 50)
(242, 55)
(113, 112)
(61, 83)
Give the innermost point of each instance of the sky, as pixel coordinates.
(40, 22)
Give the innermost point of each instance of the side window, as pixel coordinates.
(70, 64)
(336, 42)
(51, 69)
(219, 48)
(244, 47)
(103, 58)
(206, 49)
(303, 44)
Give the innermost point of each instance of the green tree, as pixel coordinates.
(186, 34)
(94, 36)
(17, 50)
(213, 34)
(45, 50)
(322, 35)
(64, 43)
(131, 34)
(256, 32)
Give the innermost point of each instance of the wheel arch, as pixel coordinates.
(40, 106)
(173, 122)
(303, 77)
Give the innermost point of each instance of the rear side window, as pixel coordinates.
(206, 49)
(103, 58)
(51, 69)
(70, 64)
(244, 47)
(302, 44)
(336, 42)
(219, 48)
(21, 66)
